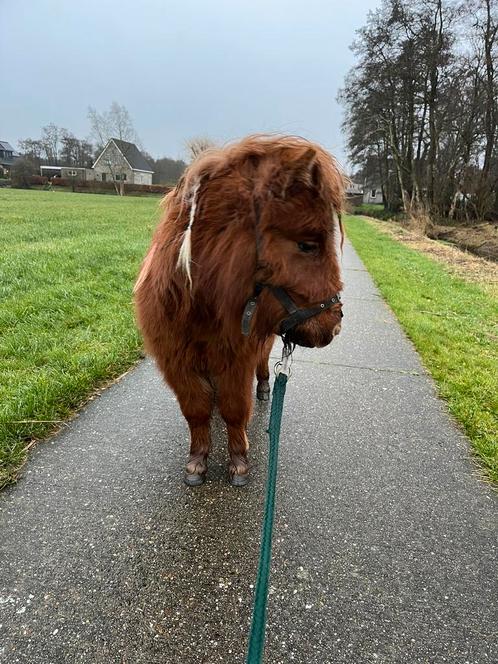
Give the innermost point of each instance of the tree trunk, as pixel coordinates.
(490, 112)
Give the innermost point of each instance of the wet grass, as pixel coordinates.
(67, 267)
(453, 325)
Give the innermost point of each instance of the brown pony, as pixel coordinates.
(255, 222)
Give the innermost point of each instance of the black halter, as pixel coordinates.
(296, 315)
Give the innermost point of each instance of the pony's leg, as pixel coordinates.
(235, 405)
(263, 371)
(196, 397)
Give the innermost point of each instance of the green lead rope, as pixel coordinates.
(257, 635)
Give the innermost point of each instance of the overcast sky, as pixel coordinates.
(221, 68)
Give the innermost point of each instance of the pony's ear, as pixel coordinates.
(302, 169)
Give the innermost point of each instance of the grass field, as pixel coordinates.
(453, 325)
(67, 267)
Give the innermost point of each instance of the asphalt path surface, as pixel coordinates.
(385, 537)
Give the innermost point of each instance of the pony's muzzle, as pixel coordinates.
(316, 332)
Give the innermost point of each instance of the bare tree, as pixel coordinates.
(51, 140)
(32, 149)
(48, 148)
(197, 145)
(114, 123)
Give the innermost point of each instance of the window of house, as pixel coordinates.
(103, 177)
(120, 176)
(72, 173)
(374, 193)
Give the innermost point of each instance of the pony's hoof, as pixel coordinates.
(263, 390)
(238, 469)
(239, 480)
(194, 479)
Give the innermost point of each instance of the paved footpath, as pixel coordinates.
(385, 544)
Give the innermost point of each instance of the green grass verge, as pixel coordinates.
(453, 325)
(67, 267)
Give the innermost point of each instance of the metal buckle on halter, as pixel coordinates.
(250, 308)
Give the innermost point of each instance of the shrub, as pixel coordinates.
(377, 211)
(38, 180)
(21, 173)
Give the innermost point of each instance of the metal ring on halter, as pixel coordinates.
(284, 365)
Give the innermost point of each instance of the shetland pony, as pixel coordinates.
(251, 230)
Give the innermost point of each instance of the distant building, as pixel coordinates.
(354, 188)
(122, 161)
(372, 194)
(7, 157)
(68, 172)
(119, 161)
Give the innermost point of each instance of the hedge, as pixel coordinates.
(97, 185)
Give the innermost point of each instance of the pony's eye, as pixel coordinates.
(308, 247)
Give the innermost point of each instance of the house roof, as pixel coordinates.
(7, 147)
(132, 155)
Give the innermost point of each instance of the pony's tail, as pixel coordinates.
(185, 254)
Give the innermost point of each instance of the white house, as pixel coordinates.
(372, 194)
(122, 161)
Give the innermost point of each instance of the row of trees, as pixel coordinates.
(422, 106)
(58, 146)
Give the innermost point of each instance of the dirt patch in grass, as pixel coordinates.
(461, 263)
(481, 239)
